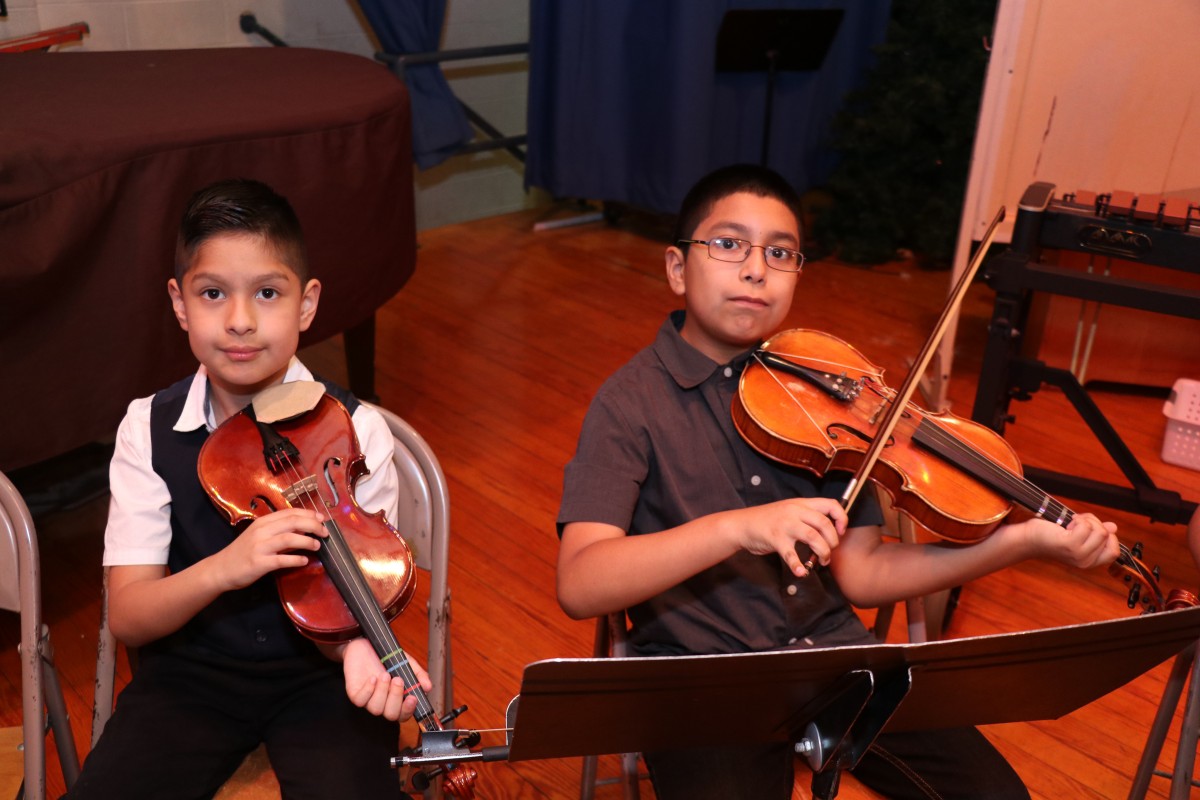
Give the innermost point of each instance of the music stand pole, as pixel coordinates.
(772, 71)
(774, 40)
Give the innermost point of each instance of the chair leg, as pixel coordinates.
(106, 669)
(587, 783)
(56, 708)
(610, 641)
(918, 628)
(438, 663)
(600, 649)
(629, 776)
(883, 621)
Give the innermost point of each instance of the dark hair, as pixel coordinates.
(241, 206)
(721, 183)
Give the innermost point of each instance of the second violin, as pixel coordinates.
(813, 401)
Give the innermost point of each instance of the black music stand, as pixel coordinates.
(832, 703)
(774, 40)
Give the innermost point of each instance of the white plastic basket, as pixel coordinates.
(1181, 444)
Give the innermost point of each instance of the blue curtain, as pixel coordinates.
(626, 103)
(439, 125)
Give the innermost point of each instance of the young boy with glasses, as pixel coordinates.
(668, 513)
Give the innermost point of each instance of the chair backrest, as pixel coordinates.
(12, 580)
(423, 518)
(20, 591)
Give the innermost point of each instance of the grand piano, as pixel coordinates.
(99, 151)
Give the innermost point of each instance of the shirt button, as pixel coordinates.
(791, 589)
(792, 640)
(260, 636)
(729, 372)
(755, 480)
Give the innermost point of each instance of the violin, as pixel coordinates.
(811, 400)
(295, 447)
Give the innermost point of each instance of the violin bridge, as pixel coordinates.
(305, 487)
(879, 409)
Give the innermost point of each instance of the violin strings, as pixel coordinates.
(832, 365)
(1014, 487)
(1021, 487)
(375, 623)
(794, 399)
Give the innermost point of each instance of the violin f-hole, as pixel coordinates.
(262, 505)
(832, 432)
(334, 497)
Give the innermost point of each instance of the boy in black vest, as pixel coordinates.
(221, 667)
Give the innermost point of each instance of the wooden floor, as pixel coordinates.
(493, 351)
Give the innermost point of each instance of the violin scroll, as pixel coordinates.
(1143, 581)
(1144, 589)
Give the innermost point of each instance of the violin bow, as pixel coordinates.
(905, 392)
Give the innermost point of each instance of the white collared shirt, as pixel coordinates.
(139, 515)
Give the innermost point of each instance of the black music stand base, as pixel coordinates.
(831, 704)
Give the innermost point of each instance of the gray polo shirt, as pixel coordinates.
(657, 449)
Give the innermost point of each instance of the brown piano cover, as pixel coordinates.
(98, 153)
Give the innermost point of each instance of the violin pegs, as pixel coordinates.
(422, 780)
(452, 715)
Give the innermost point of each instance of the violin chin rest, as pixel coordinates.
(286, 401)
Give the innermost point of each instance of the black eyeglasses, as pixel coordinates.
(735, 251)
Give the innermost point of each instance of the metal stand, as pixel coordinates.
(832, 703)
(1185, 756)
(1016, 274)
(772, 41)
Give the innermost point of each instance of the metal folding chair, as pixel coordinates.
(42, 703)
(423, 517)
(612, 640)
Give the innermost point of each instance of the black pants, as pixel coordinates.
(183, 726)
(927, 765)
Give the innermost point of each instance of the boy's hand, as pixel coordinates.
(267, 545)
(369, 686)
(817, 522)
(1085, 543)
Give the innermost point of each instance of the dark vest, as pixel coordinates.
(247, 624)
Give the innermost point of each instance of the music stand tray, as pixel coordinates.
(774, 40)
(799, 39)
(833, 702)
